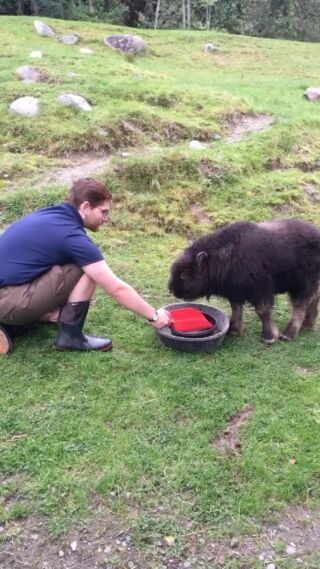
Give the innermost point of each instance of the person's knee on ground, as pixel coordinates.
(5, 341)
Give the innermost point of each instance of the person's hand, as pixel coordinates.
(164, 319)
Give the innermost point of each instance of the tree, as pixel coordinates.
(157, 15)
(188, 13)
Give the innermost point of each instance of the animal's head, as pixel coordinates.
(189, 274)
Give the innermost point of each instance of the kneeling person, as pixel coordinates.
(47, 261)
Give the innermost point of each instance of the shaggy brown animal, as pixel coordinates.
(252, 262)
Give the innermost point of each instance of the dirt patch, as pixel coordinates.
(46, 78)
(211, 170)
(308, 166)
(304, 371)
(74, 167)
(238, 125)
(283, 210)
(229, 437)
(311, 193)
(108, 540)
(199, 214)
(274, 164)
(292, 539)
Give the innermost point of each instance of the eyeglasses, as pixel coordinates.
(105, 212)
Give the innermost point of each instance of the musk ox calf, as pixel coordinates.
(252, 262)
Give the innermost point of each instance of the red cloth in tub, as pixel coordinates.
(189, 319)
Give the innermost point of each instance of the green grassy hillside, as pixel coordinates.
(134, 430)
(173, 94)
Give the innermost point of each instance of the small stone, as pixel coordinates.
(61, 553)
(216, 137)
(169, 540)
(73, 546)
(234, 543)
(209, 48)
(125, 154)
(99, 549)
(186, 565)
(34, 536)
(291, 549)
(85, 50)
(68, 39)
(271, 566)
(1, 529)
(196, 145)
(102, 132)
(36, 54)
(107, 549)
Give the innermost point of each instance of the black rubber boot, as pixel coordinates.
(70, 335)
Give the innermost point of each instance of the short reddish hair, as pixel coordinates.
(88, 190)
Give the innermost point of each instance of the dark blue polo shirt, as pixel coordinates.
(35, 243)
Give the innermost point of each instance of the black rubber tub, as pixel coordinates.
(202, 344)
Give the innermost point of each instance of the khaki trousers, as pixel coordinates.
(26, 303)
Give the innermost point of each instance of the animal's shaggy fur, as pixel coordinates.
(252, 262)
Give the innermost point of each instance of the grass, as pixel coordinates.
(136, 426)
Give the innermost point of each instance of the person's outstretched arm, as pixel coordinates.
(124, 294)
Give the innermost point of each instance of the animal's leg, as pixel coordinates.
(299, 312)
(270, 331)
(312, 313)
(236, 319)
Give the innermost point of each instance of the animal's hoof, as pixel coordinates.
(233, 331)
(285, 337)
(268, 341)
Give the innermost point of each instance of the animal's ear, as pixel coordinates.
(201, 259)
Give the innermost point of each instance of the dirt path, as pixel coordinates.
(76, 166)
(87, 164)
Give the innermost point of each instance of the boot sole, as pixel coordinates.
(107, 349)
(5, 342)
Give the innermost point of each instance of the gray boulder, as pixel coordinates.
(69, 39)
(312, 94)
(26, 106)
(71, 100)
(126, 43)
(28, 74)
(43, 29)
